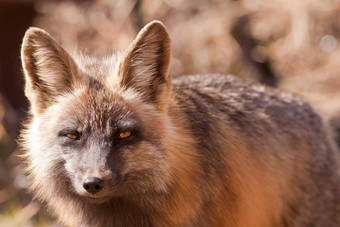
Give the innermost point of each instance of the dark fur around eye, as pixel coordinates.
(133, 138)
(70, 134)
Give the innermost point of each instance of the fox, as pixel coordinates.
(115, 141)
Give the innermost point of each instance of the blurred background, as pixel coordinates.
(289, 44)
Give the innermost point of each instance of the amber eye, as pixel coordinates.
(124, 134)
(72, 136)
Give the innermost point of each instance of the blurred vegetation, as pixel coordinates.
(289, 44)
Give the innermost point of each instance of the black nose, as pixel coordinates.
(93, 184)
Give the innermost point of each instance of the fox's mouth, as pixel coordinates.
(97, 200)
(103, 196)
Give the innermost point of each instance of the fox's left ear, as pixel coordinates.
(49, 70)
(145, 65)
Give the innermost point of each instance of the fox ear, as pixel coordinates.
(145, 65)
(49, 70)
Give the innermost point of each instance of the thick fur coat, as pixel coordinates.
(116, 142)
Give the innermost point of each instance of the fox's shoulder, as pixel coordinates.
(236, 89)
(245, 103)
(209, 80)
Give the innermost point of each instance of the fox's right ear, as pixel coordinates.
(145, 65)
(49, 70)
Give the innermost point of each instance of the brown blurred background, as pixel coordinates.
(289, 44)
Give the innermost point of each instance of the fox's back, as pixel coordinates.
(277, 129)
(250, 108)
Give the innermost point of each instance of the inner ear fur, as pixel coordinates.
(49, 70)
(145, 65)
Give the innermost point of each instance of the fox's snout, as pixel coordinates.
(93, 185)
(96, 185)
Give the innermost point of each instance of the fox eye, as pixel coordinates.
(73, 136)
(124, 134)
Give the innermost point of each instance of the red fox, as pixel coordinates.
(115, 142)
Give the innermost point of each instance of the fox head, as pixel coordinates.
(98, 127)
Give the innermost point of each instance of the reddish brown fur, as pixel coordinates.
(205, 150)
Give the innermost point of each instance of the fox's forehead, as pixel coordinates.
(98, 67)
(97, 109)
